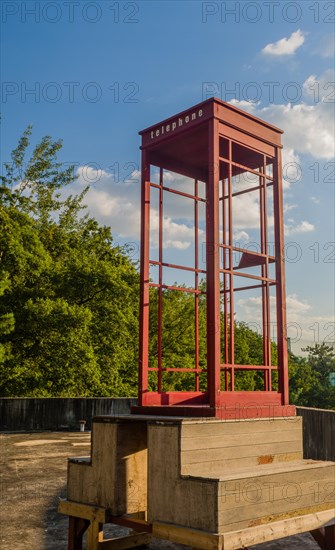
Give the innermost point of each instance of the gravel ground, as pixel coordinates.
(33, 477)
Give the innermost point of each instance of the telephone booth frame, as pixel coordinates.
(214, 143)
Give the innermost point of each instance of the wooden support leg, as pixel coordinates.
(94, 535)
(77, 528)
(325, 537)
(330, 537)
(133, 540)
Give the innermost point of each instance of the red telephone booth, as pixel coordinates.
(223, 166)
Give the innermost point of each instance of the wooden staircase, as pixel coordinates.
(205, 483)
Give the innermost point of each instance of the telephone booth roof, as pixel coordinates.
(180, 143)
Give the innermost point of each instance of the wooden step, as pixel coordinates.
(273, 493)
(219, 496)
(211, 448)
(212, 475)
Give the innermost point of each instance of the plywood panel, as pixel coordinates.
(256, 500)
(220, 468)
(207, 428)
(131, 467)
(265, 451)
(171, 498)
(276, 530)
(230, 440)
(116, 478)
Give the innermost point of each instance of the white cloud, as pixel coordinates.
(304, 326)
(241, 236)
(296, 307)
(289, 207)
(249, 106)
(118, 206)
(252, 308)
(175, 235)
(316, 200)
(320, 88)
(291, 166)
(302, 227)
(285, 46)
(308, 128)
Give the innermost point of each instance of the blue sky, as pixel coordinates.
(95, 73)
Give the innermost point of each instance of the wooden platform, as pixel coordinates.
(202, 482)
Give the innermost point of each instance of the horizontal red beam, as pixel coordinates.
(186, 195)
(232, 412)
(248, 276)
(245, 168)
(180, 288)
(175, 398)
(249, 287)
(176, 266)
(226, 398)
(251, 252)
(175, 369)
(249, 367)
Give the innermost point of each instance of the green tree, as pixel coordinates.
(72, 292)
(6, 320)
(178, 338)
(311, 377)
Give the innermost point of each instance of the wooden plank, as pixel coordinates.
(117, 476)
(234, 495)
(276, 530)
(207, 427)
(103, 448)
(222, 468)
(313, 468)
(81, 485)
(188, 536)
(171, 498)
(122, 543)
(330, 537)
(139, 525)
(94, 536)
(83, 511)
(319, 536)
(243, 451)
(131, 468)
(267, 513)
(232, 440)
(260, 499)
(77, 528)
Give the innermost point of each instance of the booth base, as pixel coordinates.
(205, 483)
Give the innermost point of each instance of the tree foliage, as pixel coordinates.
(312, 377)
(69, 308)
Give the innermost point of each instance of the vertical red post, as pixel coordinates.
(160, 281)
(144, 279)
(231, 267)
(225, 281)
(196, 284)
(213, 267)
(280, 276)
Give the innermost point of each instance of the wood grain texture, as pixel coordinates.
(187, 502)
(116, 476)
(292, 526)
(123, 543)
(206, 484)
